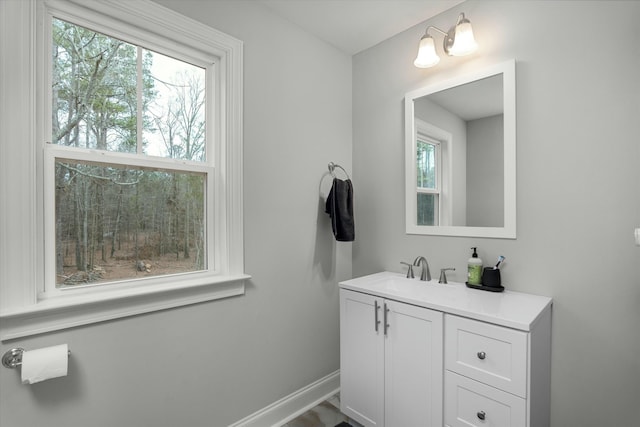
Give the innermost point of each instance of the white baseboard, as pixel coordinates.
(298, 402)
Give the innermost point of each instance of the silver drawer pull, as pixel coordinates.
(482, 355)
(386, 323)
(481, 415)
(376, 307)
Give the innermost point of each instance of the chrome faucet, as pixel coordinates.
(425, 274)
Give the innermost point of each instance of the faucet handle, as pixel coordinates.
(410, 271)
(443, 275)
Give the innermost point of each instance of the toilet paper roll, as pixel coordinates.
(45, 363)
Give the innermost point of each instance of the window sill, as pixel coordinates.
(54, 314)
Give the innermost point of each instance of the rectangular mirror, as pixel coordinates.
(460, 155)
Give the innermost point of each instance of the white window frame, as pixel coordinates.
(422, 137)
(27, 306)
(422, 130)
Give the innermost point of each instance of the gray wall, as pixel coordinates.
(214, 363)
(578, 183)
(485, 172)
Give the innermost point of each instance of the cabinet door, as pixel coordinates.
(361, 358)
(413, 366)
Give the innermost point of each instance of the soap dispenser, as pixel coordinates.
(474, 269)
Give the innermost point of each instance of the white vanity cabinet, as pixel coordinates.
(426, 354)
(391, 362)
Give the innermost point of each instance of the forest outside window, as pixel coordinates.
(134, 215)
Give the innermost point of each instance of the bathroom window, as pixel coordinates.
(138, 163)
(121, 211)
(428, 175)
(428, 186)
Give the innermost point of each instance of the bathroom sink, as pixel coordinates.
(395, 284)
(511, 309)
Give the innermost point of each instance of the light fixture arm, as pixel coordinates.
(448, 39)
(431, 27)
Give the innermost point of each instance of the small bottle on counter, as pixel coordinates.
(474, 269)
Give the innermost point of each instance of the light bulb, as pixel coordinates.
(463, 43)
(427, 56)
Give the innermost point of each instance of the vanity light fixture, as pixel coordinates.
(459, 41)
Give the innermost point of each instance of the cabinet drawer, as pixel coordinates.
(470, 403)
(491, 354)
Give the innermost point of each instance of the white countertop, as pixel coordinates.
(511, 309)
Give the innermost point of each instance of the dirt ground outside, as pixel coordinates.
(125, 267)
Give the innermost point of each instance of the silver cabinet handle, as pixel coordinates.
(386, 324)
(481, 415)
(376, 307)
(482, 355)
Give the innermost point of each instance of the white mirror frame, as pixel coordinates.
(508, 231)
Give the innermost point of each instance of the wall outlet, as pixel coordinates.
(637, 234)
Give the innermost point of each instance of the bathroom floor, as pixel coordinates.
(325, 414)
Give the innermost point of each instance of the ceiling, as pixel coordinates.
(478, 99)
(355, 25)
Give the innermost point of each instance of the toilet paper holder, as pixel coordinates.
(13, 358)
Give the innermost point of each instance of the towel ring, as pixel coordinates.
(332, 166)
